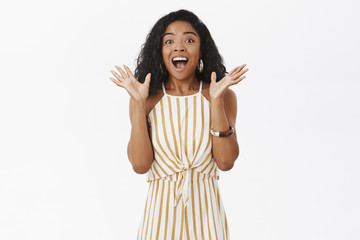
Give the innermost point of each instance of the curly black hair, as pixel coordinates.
(150, 57)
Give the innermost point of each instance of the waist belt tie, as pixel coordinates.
(183, 182)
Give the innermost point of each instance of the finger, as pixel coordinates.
(116, 75)
(116, 82)
(213, 77)
(232, 71)
(147, 79)
(128, 71)
(237, 69)
(237, 80)
(123, 74)
(237, 75)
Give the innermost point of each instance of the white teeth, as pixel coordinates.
(180, 59)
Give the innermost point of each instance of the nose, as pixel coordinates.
(179, 47)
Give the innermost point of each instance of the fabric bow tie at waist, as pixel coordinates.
(183, 181)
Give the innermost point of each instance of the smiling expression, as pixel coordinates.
(181, 50)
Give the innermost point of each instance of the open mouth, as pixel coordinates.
(179, 62)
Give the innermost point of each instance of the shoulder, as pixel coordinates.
(230, 106)
(230, 97)
(230, 100)
(152, 101)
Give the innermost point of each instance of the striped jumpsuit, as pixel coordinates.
(183, 200)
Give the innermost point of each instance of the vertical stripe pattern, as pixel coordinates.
(183, 200)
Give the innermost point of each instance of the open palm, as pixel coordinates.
(217, 89)
(137, 90)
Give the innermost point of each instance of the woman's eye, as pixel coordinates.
(168, 41)
(189, 41)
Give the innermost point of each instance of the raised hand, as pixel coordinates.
(217, 89)
(137, 90)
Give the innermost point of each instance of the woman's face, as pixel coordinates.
(181, 50)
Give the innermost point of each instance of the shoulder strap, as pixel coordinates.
(163, 87)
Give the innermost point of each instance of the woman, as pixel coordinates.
(183, 117)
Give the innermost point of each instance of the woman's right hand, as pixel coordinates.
(138, 91)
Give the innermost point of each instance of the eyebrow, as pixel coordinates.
(184, 33)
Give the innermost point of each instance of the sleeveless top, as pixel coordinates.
(181, 139)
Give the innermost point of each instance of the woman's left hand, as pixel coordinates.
(217, 89)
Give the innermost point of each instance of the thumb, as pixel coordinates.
(213, 77)
(147, 79)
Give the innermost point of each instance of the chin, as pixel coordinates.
(182, 75)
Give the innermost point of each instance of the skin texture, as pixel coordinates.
(181, 39)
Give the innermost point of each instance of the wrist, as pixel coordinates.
(138, 105)
(217, 102)
(138, 102)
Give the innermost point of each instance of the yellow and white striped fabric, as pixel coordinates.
(183, 199)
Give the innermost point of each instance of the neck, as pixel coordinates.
(183, 86)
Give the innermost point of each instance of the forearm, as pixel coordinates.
(225, 149)
(140, 151)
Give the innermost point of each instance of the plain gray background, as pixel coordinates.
(64, 126)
